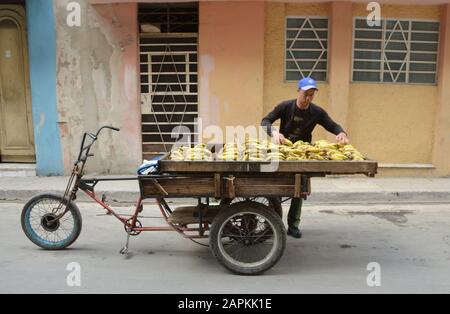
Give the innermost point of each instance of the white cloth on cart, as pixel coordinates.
(148, 166)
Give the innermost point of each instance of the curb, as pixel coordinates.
(319, 197)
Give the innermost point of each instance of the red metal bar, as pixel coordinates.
(154, 229)
(163, 228)
(105, 206)
(136, 212)
(171, 226)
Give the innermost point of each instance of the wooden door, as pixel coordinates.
(16, 131)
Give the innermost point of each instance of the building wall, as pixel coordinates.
(231, 54)
(97, 84)
(395, 124)
(441, 140)
(241, 78)
(42, 56)
(276, 89)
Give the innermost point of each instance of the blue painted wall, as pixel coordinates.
(42, 59)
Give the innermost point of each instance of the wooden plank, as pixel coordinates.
(189, 215)
(298, 185)
(231, 193)
(309, 166)
(308, 186)
(217, 185)
(331, 167)
(180, 187)
(264, 190)
(265, 180)
(159, 187)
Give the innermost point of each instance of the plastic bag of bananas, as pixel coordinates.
(198, 152)
(254, 150)
(324, 150)
(229, 152)
(263, 150)
(320, 150)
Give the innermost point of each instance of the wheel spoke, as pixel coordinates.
(250, 238)
(40, 219)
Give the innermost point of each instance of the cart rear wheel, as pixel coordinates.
(248, 238)
(272, 202)
(39, 226)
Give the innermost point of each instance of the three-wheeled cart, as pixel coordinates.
(246, 232)
(245, 229)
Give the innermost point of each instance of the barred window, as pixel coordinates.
(397, 51)
(306, 48)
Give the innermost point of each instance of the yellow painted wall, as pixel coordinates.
(394, 122)
(441, 148)
(275, 88)
(430, 12)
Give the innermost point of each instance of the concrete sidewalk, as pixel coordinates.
(333, 189)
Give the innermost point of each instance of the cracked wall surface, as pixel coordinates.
(97, 84)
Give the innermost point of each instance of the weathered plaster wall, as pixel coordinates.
(97, 83)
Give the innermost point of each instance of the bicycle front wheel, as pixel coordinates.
(42, 229)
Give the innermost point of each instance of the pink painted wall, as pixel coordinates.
(98, 84)
(119, 22)
(231, 63)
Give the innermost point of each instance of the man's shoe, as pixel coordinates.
(294, 232)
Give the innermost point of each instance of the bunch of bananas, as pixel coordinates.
(295, 152)
(256, 150)
(321, 150)
(198, 152)
(324, 150)
(351, 153)
(229, 152)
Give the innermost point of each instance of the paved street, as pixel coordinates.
(411, 243)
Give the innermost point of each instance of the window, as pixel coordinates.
(397, 51)
(306, 48)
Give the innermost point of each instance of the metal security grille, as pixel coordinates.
(170, 18)
(397, 51)
(169, 86)
(306, 48)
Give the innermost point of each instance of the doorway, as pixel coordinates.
(168, 68)
(16, 128)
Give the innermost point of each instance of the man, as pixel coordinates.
(298, 118)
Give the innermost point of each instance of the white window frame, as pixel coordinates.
(316, 60)
(408, 52)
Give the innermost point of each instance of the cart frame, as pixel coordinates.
(224, 180)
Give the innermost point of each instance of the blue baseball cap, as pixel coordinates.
(307, 83)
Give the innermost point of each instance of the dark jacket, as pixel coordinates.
(297, 124)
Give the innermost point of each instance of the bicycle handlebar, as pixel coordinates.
(88, 147)
(106, 127)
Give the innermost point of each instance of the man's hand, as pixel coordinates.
(278, 137)
(342, 138)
